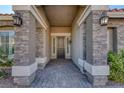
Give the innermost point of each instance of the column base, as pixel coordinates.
(24, 75)
(24, 80)
(41, 62)
(96, 74)
(97, 80)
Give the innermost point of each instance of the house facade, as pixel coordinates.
(69, 32)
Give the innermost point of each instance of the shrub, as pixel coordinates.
(116, 62)
(3, 74)
(4, 61)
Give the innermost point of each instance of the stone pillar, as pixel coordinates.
(40, 43)
(25, 66)
(41, 58)
(96, 48)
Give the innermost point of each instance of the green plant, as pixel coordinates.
(116, 62)
(3, 74)
(4, 61)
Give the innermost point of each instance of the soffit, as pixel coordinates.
(61, 15)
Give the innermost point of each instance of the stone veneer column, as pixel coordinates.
(41, 57)
(25, 66)
(40, 43)
(96, 48)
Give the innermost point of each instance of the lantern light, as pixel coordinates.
(104, 19)
(17, 19)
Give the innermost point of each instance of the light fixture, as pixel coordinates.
(104, 19)
(17, 19)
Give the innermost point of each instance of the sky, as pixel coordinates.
(8, 8)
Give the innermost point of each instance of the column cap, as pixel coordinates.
(99, 7)
(21, 7)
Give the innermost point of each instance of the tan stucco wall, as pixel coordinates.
(60, 29)
(115, 22)
(75, 44)
(47, 46)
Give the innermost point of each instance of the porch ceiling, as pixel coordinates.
(60, 15)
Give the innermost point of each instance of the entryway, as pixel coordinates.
(60, 45)
(60, 48)
(60, 73)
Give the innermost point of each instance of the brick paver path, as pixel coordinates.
(60, 73)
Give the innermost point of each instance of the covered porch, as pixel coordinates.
(60, 32)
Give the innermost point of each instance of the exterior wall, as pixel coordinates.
(60, 29)
(25, 66)
(6, 22)
(47, 45)
(119, 25)
(75, 50)
(78, 45)
(88, 28)
(94, 39)
(97, 49)
(42, 46)
(40, 43)
(112, 38)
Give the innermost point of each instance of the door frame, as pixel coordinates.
(54, 41)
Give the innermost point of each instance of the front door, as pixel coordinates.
(60, 48)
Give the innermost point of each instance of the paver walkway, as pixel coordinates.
(60, 73)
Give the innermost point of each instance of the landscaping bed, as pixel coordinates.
(116, 63)
(5, 64)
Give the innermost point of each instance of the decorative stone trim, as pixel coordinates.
(99, 7)
(24, 70)
(41, 60)
(94, 70)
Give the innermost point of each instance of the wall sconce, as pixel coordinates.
(17, 19)
(104, 19)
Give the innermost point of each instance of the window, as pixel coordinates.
(7, 43)
(113, 39)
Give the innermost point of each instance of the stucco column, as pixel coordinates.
(96, 47)
(25, 66)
